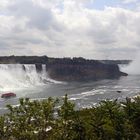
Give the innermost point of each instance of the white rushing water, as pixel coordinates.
(14, 77)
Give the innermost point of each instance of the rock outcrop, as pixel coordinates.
(38, 67)
(82, 70)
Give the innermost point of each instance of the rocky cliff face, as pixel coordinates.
(79, 71)
(67, 69)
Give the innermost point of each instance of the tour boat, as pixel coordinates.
(8, 95)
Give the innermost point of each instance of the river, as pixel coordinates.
(39, 86)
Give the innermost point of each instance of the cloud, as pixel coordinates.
(64, 28)
(129, 1)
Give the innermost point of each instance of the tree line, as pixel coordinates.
(57, 119)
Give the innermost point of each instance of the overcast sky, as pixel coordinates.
(97, 29)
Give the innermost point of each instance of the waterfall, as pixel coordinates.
(18, 76)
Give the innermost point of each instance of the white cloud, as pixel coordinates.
(68, 28)
(4, 3)
(129, 1)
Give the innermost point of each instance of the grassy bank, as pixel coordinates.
(44, 120)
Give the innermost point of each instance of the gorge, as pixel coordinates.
(68, 69)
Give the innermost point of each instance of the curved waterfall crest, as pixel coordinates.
(16, 76)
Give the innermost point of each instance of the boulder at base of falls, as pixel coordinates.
(83, 70)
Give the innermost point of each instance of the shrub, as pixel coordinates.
(45, 120)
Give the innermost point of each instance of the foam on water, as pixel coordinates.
(85, 95)
(14, 77)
